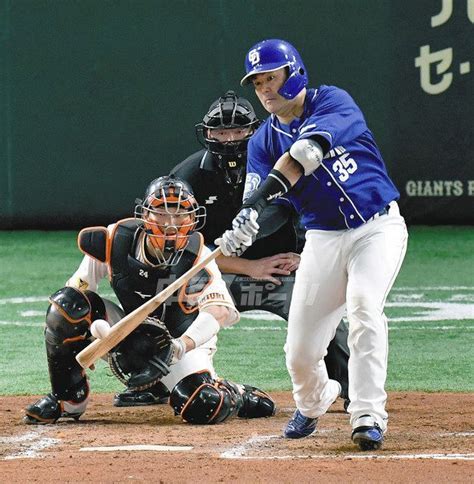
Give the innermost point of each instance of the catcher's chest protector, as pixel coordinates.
(134, 283)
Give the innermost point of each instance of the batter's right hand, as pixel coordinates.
(244, 232)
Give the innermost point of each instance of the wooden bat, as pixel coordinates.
(98, 348)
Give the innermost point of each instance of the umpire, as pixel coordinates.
(264, 279)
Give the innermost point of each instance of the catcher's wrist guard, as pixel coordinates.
(203, 328)
(143, 358)
(179, 350)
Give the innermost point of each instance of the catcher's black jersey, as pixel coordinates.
(222, 203)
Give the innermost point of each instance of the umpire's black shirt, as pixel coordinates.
(222, 203)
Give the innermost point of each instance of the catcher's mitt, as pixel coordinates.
(144, 356)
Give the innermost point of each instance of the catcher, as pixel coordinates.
(173, 349)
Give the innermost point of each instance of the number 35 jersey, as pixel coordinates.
(351, 184)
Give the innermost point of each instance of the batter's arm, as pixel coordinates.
(289, 168)
(284, 175)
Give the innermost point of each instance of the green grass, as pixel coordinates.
(431, 354)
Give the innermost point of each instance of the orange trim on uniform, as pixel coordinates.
(89, 229)
(182, 292)
(41, 419)
(74, 339)
(196, 391)
(110, 238)
(172, 198)
(66, 316)
(216, 413)
(192, 396)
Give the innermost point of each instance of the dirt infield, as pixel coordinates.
(430, 439)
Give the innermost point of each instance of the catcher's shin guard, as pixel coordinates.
(200, 399)
(67, 331)
(256, 403)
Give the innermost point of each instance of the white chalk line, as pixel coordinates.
(32, 444)
(258, 443)
(21, 323)
(44, 298)
(33, 299)
(457, 434)
(31, 314)
(283, 328)
(239, 451)
(459, 308)
(392, 328)
(139, 447)
(359, 456)
(395, 288)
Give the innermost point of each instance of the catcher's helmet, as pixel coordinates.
(169, 214)
(229, 112)
(270, 55)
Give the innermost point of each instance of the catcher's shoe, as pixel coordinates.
(256, 403)
(300, 426)
(156, 395)
(367, 435)
(49, 409)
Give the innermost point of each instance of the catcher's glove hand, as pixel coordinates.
(144, 357)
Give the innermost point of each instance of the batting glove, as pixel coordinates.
(245, 229)
(246, 222)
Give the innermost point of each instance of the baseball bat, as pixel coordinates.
(99, 347)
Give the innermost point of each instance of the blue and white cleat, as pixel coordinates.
(367, 435)
(300, 426)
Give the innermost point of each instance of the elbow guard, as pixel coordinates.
(308, 153)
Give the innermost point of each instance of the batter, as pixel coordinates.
(316, 151)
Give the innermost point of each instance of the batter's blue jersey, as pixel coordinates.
(352, 183)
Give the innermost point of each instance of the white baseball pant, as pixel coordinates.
(350, 270)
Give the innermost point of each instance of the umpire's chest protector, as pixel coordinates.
(134, 282)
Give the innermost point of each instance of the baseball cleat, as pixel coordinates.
(300, 426)
(369, 435)
(48, 409)
(158, 394)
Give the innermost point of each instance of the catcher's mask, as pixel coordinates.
(225, 131)
(169, 214)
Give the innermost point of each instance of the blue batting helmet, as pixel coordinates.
(270, 55)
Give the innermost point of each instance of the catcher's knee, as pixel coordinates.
(71, 312)
(200, 399)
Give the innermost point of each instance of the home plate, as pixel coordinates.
(140, 447)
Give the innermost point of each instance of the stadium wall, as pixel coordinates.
(99, 97)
